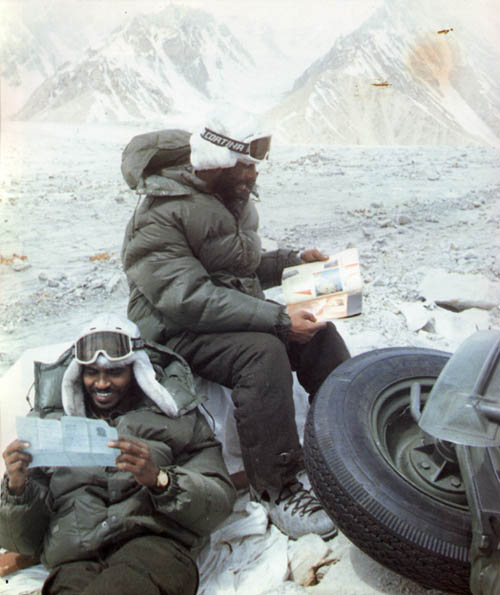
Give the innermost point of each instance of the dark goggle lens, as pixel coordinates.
(259, 147)
(113, 345)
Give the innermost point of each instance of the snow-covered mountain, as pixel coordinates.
(412, 73)
(175, 60)
(35, 41)
(407, 76)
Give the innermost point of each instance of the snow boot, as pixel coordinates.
(296, 512)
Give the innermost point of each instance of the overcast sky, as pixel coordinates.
(323, 17)
(303, 29)
(282, 15)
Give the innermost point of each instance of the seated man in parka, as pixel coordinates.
(196, 271)
(131, 528)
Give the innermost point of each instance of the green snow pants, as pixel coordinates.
(146, 565)
(258, 368)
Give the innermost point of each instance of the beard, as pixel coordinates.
(232, 189)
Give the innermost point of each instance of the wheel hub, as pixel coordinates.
(438, 471)
(428, 465)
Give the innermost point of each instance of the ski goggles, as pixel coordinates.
(113, 345)
(257, 147)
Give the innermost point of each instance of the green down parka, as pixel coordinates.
(191, 263)
(67, 514)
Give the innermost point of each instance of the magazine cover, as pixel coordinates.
(330, 288)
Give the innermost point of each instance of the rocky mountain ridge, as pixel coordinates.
(148, 68)
(406, 76)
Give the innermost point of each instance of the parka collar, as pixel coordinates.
(173, 182)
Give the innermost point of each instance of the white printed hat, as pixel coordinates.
(228, 138)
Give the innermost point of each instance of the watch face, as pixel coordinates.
(162, 479)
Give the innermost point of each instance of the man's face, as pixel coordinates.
(236, 183)
(106, 387)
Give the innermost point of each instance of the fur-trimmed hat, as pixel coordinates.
(72, 387)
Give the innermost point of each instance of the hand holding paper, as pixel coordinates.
(68, 442)
(17, 460)
(304, 326)
(135, 456)
(328, 288)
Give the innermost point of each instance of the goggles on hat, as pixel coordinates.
(256, 148)
(113, 345)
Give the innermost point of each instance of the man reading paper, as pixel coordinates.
(196, 271)
(129, 528)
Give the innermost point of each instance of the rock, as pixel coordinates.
(342, 578)
(42, 277)
(403, 219)
(113, 283)
(459, 291)
(496, 265)
(97, 284)
(304, 556)
(363, 341)
(20, 266)
(455, 327)
(53, 283)
(386, 223)
(417, 316)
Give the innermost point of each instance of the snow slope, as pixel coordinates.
(411, 74)
(175, 60)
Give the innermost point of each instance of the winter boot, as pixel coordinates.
(296, 512)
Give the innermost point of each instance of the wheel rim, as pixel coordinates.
(428, 465)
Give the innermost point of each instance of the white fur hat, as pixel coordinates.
(72, 387)
(229, 122)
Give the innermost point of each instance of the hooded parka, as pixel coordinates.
(193, 264)
(196, 271)
(68, 514)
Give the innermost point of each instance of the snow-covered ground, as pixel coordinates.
(64, 207)
(409, 211)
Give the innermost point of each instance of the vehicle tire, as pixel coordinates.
(367, 465)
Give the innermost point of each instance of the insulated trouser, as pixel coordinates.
(146, 565)
(258, 368)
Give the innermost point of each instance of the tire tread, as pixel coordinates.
(376, 530)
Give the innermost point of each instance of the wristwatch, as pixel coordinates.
(162, 479)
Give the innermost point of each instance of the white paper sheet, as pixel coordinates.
(68, 442)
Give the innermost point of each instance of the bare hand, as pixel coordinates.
(136, 457)
(16, 465)
(304, 326)
(312, 255)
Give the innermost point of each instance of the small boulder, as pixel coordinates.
(457, 291)
(455, 327)
(304, 556)
(417, 316)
